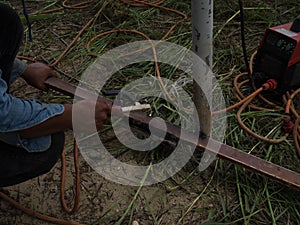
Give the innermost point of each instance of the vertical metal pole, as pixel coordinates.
(202, 24)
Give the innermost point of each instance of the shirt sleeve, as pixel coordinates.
(18, 114)
(18, 69)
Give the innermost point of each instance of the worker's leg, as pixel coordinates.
(11, 34)
(17, 165)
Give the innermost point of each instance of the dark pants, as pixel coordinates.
(16, 164)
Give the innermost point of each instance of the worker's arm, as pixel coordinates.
(23, 122)
(35, 75)
(64, 121)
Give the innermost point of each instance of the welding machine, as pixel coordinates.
(278, 57)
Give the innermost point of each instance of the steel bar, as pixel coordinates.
(236, 156)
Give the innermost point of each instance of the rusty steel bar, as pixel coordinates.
(236, 156)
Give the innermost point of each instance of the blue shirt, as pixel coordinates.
(18, 114)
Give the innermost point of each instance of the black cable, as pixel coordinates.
(242, 20)
(27, 19)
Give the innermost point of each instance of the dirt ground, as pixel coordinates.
(105, 202)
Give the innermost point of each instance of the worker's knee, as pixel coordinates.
(17, 165)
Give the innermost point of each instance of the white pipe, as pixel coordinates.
(202, 24)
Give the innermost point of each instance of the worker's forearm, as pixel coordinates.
(50, 126)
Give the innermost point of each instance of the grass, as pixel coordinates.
(239, 196)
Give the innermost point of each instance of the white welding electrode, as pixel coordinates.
(137, 106)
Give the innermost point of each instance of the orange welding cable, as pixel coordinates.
(157, 5)
(153, 50)
(296, 137)
(80, 5)
(290, 107)
(63, 181)
(36, 214)
(90, 42)
(240, 95)
(79, 34)
(268, 140)
(251, 63)
(76, 160)
(249, 97)
(75, 6)
(26, 58)
(289, 101)
(133, 3)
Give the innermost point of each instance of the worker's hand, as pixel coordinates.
(36, 74)
(83, 108)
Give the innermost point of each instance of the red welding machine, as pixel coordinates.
(278, 57)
